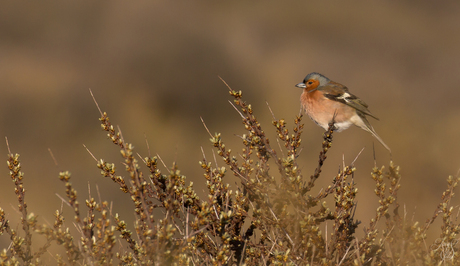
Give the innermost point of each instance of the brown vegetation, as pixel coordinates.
(274, 216)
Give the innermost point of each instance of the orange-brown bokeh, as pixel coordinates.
(154, 67)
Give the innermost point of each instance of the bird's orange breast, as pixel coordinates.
(321, 109)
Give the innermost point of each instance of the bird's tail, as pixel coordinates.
(372, 131)
(368, 127)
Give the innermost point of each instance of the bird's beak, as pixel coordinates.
(301, 85)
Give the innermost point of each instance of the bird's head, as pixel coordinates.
(313, 81)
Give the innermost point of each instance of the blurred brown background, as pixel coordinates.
(154, 67)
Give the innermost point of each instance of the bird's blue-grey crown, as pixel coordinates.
(314, 75)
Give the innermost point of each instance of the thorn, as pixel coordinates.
(94, 99)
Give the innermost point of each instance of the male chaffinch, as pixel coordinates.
(322, 98)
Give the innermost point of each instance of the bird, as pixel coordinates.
(325, 100)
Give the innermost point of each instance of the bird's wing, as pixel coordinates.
(339, 93)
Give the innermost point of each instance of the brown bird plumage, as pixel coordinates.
(322, 97)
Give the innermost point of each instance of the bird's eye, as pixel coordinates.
(310, 82)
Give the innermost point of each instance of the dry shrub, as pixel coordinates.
(272, 217)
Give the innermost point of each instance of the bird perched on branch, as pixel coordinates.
(323, 98)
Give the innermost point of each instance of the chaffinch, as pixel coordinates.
(322, 97)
